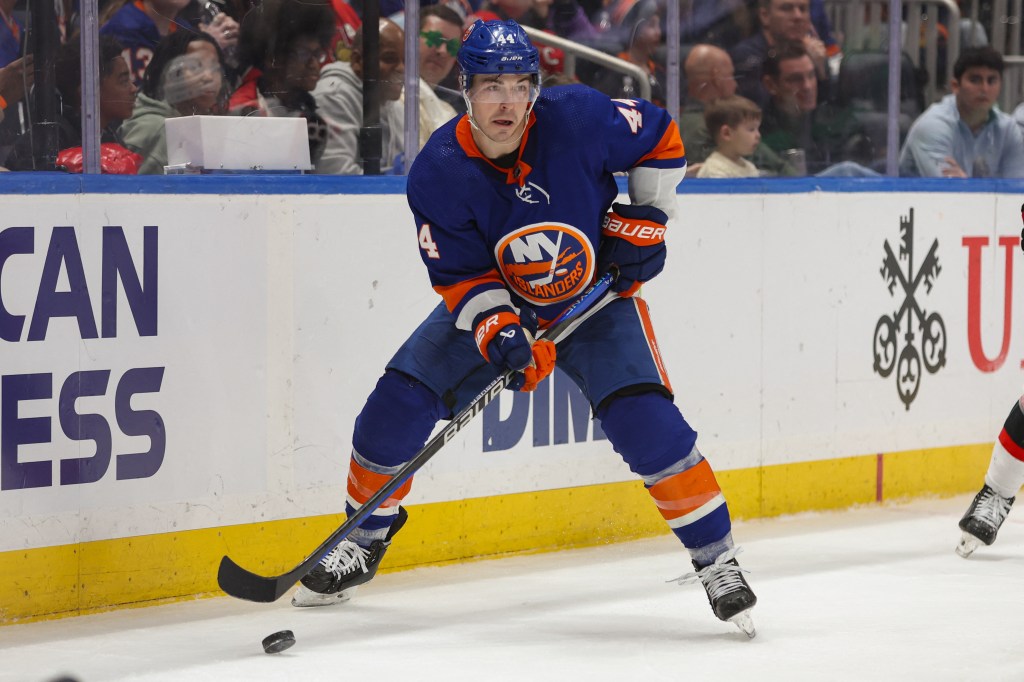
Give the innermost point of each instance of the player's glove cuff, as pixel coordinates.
(489, 325)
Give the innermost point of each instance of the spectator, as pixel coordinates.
(644, 39)
(185, 77)
(339, 96)
(116, 95)
(734, 123)
(715, 22)
(783, 22)
(440, 38)
(439, 68)
(822, 27)
(805, 134)
(522, 11)
(346, 23)
(709, 77)
(140, 25)
(284, 44)
(15, 80)
(566, 18)
(965, 135)
(10, 33)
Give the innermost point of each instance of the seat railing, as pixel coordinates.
(574, 50)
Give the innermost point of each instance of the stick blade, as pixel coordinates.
(243, 584)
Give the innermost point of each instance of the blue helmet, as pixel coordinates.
(497, 47)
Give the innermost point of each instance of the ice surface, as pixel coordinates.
(875, 593)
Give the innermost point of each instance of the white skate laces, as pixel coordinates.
(345, 558)
(730, 597)
(719, 578)
(991, 508)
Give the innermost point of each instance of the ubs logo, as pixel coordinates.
(908, 361)
(546, 263)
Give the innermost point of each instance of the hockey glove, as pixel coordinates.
(506, 341)
(633, 241)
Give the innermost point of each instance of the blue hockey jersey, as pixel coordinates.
(138, 34)
(11, 32)
(530, 234)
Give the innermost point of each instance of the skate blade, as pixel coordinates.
(968, 543)
(305, 597)
(744, 622)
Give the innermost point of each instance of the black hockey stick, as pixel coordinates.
(244, 584)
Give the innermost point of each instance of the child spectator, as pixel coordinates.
(734, 123)
(116, 95)
(185, 77)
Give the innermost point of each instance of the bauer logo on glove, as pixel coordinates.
(641, 232)
(632, 241)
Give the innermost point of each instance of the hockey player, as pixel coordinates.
(1005, 476)
(514, 218)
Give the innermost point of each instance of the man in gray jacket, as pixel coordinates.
(339, 100)
(965, 135)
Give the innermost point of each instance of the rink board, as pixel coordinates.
(184, 363)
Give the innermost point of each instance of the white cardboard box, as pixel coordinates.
(238, 143)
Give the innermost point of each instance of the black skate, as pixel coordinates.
(981, 523)
(728, 592)
(346, 567)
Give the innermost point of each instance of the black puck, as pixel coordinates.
(278, 642)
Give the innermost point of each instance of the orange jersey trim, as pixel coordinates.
(669, 147)
(363, 484)
(686, 491)
(652, 342)
(454, 293)
(516, 175)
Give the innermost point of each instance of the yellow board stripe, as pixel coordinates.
(89, 577)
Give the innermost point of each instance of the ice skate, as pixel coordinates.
(334, 580)
(982, 521)
(728, 592)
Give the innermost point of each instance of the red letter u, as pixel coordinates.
(974, 248)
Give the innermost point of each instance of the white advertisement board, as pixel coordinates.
(180, 362)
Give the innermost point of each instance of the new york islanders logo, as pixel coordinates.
(546, 262)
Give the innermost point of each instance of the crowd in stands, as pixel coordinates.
(766, 88)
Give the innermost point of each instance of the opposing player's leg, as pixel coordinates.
(615, 359)
(990, 506)
(434, 370)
